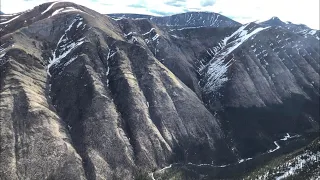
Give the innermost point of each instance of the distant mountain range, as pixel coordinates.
(190, 19)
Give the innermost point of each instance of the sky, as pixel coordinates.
(244, 11)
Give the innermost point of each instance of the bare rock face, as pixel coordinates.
(84, 96)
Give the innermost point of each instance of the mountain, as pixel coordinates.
(300, 29)
(189, 19)
(1, 12)
(87, 96)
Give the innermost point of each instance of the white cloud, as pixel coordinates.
(296, 11)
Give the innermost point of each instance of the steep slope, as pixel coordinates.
(81, 100)
(265, 81)
(189, 19)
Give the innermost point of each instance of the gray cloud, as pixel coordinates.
(161, 13)
(137, 6)
(205, 3)
(176, 3)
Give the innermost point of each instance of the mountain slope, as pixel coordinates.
(262, 82)
(75, 89)
(254, 78)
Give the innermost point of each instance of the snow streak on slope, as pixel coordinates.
(217, 75)
(6, 22)
(285, 138)
(67, 9)
(49, 7)
(216, 70)
(66, 45)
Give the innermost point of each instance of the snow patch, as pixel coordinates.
(67, 9)
(217, 75)
(277, 147)
(285, 138)
(217, 68)
(244, 160)
(6, 22)
(49, 7)
(70, 61)
(288, 136)
(152, 29)
(155, 37)
(65, 46)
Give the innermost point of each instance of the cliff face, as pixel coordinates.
(84, 96)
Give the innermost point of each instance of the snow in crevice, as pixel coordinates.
(175, 36)
(214, 22)
(217, 75)
(288, 136)
(285, 138)
(276, 148)
(70, 61)
(110, 55)
(66, 45)
(244, 160)
(2, 60)
(189, 18)
(2, 55)
(6, 22)
(155, 37)
(160, 170)
(49, 7)
(67, 9)
(130, 33)
(151, 30)
(180, 29)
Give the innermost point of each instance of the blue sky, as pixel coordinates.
(296, 11)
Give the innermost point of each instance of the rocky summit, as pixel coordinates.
(87, 96)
